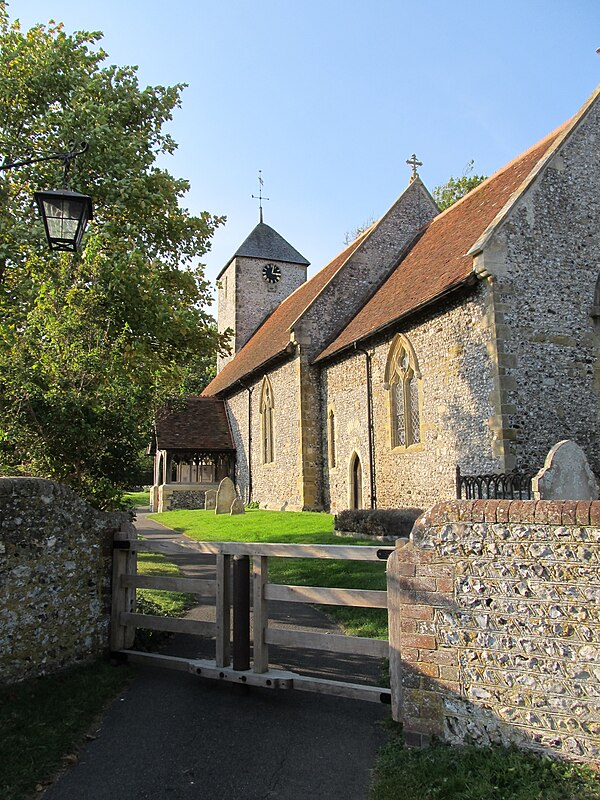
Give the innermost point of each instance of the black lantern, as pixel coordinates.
(65, 215)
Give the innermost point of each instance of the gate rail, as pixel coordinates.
(232, 593)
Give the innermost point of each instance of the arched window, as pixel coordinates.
(402, 380)
(266, 422)
(331, 437)
(355, 482)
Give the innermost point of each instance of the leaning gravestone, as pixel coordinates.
(225, 496)
(210, 499)
(566, 475)
(237, 507)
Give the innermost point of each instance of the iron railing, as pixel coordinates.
(501, 486)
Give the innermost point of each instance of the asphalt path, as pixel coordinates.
(174, 736)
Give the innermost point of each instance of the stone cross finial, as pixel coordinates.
(259, 197)
(414, 163)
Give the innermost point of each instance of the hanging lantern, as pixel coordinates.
(65, 215)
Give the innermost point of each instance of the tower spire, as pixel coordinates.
(260, 197)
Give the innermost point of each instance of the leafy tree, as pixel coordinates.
(92, 344)
(455, 188)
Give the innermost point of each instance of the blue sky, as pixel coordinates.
(330, 98)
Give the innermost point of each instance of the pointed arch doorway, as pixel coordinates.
(356, 488)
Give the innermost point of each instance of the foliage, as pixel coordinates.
(473, 773)
(91, 345)
(396, 522)
(354, 233)
(44, 720)
(455, 188)
(295, 527)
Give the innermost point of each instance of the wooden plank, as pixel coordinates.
(157, 660)
(260, 576)
(223, 611)
(364, 598)
(123, 598)
(172, 624)
(330, 551)
(356, 691)
(330, 642)
(171, 584)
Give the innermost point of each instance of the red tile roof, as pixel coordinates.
(438, 261)
(200, 424)
(273, 336)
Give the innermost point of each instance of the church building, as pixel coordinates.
(466, 338)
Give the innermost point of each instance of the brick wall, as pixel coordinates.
(55, 573)
(495, 626)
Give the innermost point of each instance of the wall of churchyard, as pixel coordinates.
(276, 485)
(495, 626)
(55, 573)
(455, 354)
(245, 298)
(546, 259)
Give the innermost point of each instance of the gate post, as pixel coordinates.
(223, 609)
(241, 613)
(261, 616)
(123, 598)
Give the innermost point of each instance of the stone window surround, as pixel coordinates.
(267, 434)
(394, 374)
(331, 438)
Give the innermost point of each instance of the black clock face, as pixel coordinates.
(271, 273)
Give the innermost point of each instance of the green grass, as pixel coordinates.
(45, 719)
(295, 528)
(470, 773)
(158, 602)
(135, 499)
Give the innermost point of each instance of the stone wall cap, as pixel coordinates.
(548, 512)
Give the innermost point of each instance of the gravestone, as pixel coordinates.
(225, 496)
(237, 507)
(210, 499)
(566, 475)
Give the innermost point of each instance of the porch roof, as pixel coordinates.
(199, 424)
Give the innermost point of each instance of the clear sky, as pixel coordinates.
(329, 97)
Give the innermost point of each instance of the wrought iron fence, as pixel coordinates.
(501, 486)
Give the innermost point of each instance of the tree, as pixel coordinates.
(91, 345)
(455, 188)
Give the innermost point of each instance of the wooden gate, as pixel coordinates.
(233, 594)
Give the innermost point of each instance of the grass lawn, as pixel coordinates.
(44, 720)
(295, 528)
(155, 601)
(137, 499)
(472, 773)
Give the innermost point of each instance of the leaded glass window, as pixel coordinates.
(402, 379)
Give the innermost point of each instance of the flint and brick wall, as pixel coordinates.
(495, 626)
(55, 574)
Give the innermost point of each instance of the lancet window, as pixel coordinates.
(266, 422)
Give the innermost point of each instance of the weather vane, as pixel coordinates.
(260, 197)
(414, 163)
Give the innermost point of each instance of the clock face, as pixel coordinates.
(271, 273)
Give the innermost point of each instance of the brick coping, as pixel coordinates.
(539, 512)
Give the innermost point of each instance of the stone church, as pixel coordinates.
(465, 338)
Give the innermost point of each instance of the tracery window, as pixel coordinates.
(331, 437)
(266, 422)
(402, 380)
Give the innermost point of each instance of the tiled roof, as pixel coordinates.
(438, 261)
(265, 242)
(273, 336)
(200, 424)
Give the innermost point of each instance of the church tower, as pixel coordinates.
(262, 272)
